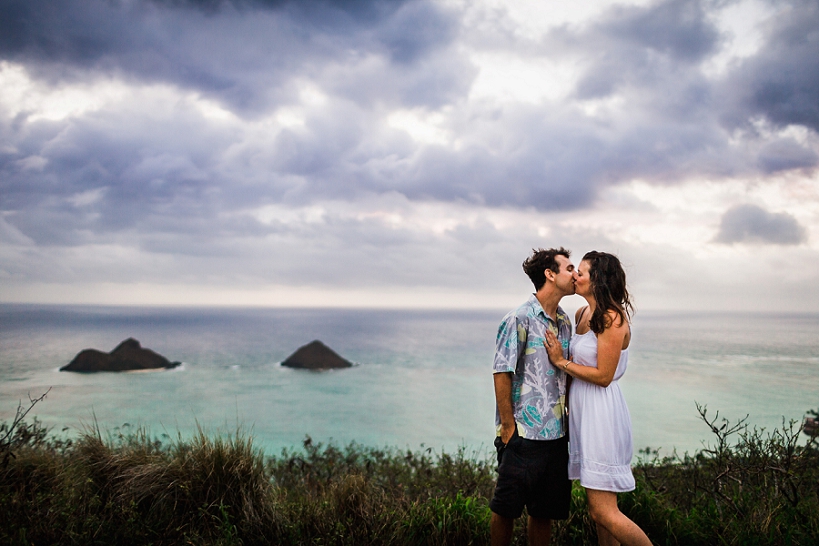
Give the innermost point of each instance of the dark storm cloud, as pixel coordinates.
(679, 29)
(781, 82)
(683, 121)
(550, 164)
(643, 46)
(416, 30)
(557, 157)
(635, 45)
(547, 163)
(85, 31)
(753, 224)
(241, 52)
(172, 171)
(63, 40)
(141, 166)
(363, 10)
(785, 154)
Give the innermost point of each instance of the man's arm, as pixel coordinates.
(503, 398)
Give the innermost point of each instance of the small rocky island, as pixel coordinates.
(316, 356)
(128, 356)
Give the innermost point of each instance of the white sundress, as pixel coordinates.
(600, 445)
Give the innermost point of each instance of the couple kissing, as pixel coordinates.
(560, 414)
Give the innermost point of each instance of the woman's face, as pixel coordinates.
(582, 281)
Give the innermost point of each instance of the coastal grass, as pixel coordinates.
(749, 487)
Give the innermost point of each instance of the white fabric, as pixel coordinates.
(600, 445)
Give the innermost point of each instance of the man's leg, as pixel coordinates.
(509, 494)
(500, 529)
(539, 531)
(551, 490)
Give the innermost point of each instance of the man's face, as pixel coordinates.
(564, 279)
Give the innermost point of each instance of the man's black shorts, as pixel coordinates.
(535, 474)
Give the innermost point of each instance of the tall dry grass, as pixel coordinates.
(133, 489)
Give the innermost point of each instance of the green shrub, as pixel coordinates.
(750, 487)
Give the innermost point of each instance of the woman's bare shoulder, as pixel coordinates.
(616, 320)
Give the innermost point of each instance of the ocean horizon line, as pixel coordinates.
(419, 308)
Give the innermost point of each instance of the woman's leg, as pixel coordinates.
(604, 538)
(603, 510)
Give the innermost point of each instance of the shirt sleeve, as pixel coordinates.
(508, 345)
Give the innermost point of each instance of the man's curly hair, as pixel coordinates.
(535, 266)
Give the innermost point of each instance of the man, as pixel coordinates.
(530, 396)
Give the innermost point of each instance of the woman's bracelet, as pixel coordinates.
(566, 365)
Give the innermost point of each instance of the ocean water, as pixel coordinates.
(422, 380)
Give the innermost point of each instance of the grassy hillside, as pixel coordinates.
(752, 487)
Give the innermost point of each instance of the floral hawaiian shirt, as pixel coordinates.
(538, 388)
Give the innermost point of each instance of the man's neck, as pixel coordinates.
(549, 298)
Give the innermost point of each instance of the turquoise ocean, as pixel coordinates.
(423, 378)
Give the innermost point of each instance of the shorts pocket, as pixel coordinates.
(500, 447)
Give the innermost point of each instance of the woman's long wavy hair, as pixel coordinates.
(608, 284)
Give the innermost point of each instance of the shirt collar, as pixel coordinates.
(538, 311)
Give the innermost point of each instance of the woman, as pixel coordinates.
(599, 424)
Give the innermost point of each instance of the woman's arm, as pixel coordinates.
(609, 345)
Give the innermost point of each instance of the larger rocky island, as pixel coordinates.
(128, 356)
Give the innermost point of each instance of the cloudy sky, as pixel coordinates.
(407, 152)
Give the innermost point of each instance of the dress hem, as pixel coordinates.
(620, 481)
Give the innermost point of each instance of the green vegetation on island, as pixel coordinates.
(749, 487)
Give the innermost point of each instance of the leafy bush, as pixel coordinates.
(751, 487)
